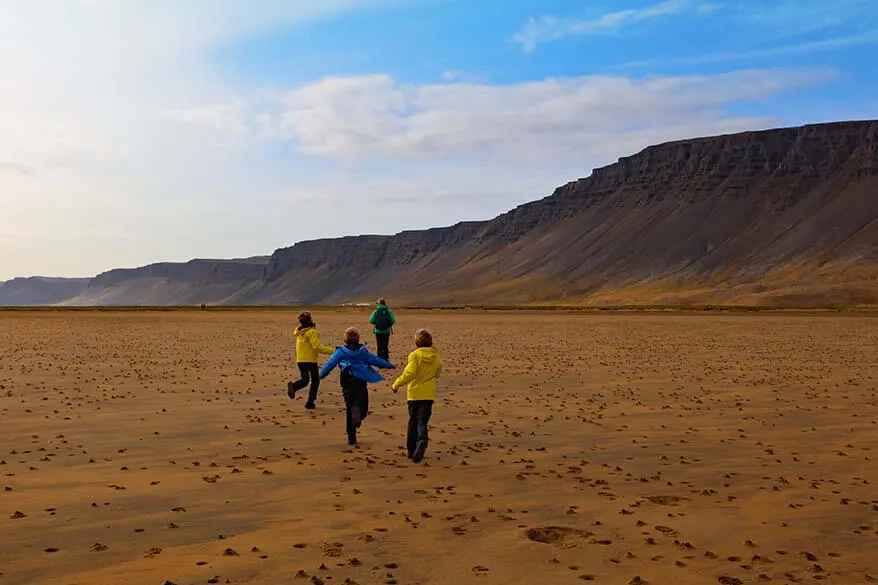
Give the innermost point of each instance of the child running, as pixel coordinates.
(308, 347)
(355, 362)
(423, 369)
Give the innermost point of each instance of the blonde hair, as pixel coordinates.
(423, 338)
(351, 336)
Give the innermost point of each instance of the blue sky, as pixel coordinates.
(154, 130)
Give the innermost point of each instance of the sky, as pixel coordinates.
(139, 131)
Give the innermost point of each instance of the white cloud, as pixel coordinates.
(85, 91)
(565, 119)
(551, 28)
(121, 144)
(225, 118)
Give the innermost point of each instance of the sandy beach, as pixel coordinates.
(161, 447)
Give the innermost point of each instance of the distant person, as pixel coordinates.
(308, 347)
(383, 320)
(355, 363)
(423, 369)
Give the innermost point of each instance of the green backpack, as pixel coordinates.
(383, 322)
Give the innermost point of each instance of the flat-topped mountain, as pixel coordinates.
(40, 290)
(785, 217)
(171, 283)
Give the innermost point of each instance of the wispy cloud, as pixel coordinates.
(83, 142)
(15, 168)
(803, 15)
(551, 28)
(123, 114)
(566, 119)
(801, 48)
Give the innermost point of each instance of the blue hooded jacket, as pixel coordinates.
(360, 360)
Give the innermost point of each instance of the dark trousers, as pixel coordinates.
(420, 412)
(310, 373)
(356, 401)
(383, 341)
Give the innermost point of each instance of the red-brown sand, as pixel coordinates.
(664, 449)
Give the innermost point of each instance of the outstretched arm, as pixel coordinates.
(379, 362)
(330, 365)
(319, 347)
(408, 374)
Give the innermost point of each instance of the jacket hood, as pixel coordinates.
(427, 355)
(300, 329)
(351, 352)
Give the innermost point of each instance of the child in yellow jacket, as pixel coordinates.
(308, 347)
(423, 369)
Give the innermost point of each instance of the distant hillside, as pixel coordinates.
(40, 290)
(171, 283)
(785, 217)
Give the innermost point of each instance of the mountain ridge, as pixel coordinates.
(779, 217)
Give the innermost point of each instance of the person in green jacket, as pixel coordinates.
(383, 320)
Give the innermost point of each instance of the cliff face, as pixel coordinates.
(333, 271)
(779, 217)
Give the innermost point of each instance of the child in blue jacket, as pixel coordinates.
(355, 362)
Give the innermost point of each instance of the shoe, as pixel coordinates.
(352, 439)
(310, 405)
(291, 390)
(420, 450)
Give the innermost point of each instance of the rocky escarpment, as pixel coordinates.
(170, 283)
(365, 253)
(724, 213)
(333, 271)
(194, 271)
(39, 290)
(780, 217)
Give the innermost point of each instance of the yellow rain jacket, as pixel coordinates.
(420, 374)
(308, 345)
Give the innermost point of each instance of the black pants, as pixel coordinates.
(420, 412)
(383, 341)
(356, 401)
(309, 372)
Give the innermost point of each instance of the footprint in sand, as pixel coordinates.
(480, 570)
(555, 534)
(667, 500)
